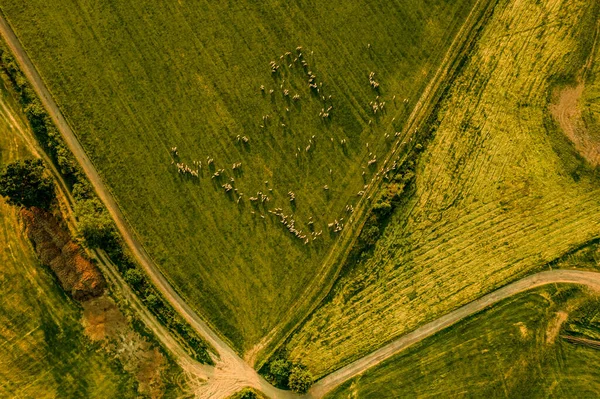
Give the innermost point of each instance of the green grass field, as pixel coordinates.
(43, 350)
(500, 191)
(138, 78)
(512, 350)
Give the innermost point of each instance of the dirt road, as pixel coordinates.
(229, 366)
(589, 279)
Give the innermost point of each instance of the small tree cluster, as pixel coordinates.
(284, 374)
(300, 380)
(24, 183)
(94, 223)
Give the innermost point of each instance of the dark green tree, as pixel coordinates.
(300, 380)
(94, 223)
(23, 184)
(134, 277)
(279, 371)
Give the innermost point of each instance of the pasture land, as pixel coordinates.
(276, 100)
(515, 349)
(44, 351)
(500, 190)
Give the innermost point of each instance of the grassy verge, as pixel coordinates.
(515, 349)
(45, 353)
(499, 191)
(96, 228)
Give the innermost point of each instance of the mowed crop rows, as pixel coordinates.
(213, 123)
(515, 349)
(43, 350)
(494, 199)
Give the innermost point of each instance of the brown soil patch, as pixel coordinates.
(102, 319)
(150, 365)
(104, 322)
(56, 249)
(554, 326)
(566, 112)
(142, 359)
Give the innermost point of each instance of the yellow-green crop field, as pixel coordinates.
(264, 101)
(516, 349)
(43, 350)
(500, 191)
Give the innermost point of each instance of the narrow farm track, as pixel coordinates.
(333, 380)
(231, 372)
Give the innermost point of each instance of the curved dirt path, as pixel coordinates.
(328, 383)
(230, 370)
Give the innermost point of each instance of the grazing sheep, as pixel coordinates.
(374, 84)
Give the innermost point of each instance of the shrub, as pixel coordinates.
(279, 370)
(382, 209)
(152, 301)
(369, 234)
(300, 380)
(94, 223)
(134, 277)
(23, 184)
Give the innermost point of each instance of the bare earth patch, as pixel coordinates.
(104, 322)
(554, 326)
(566, 112)
(102, 319)
(57, 250)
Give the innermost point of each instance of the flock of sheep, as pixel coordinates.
(260, 200)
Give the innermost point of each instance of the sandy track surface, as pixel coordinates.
(230, 373)
(589, 279)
